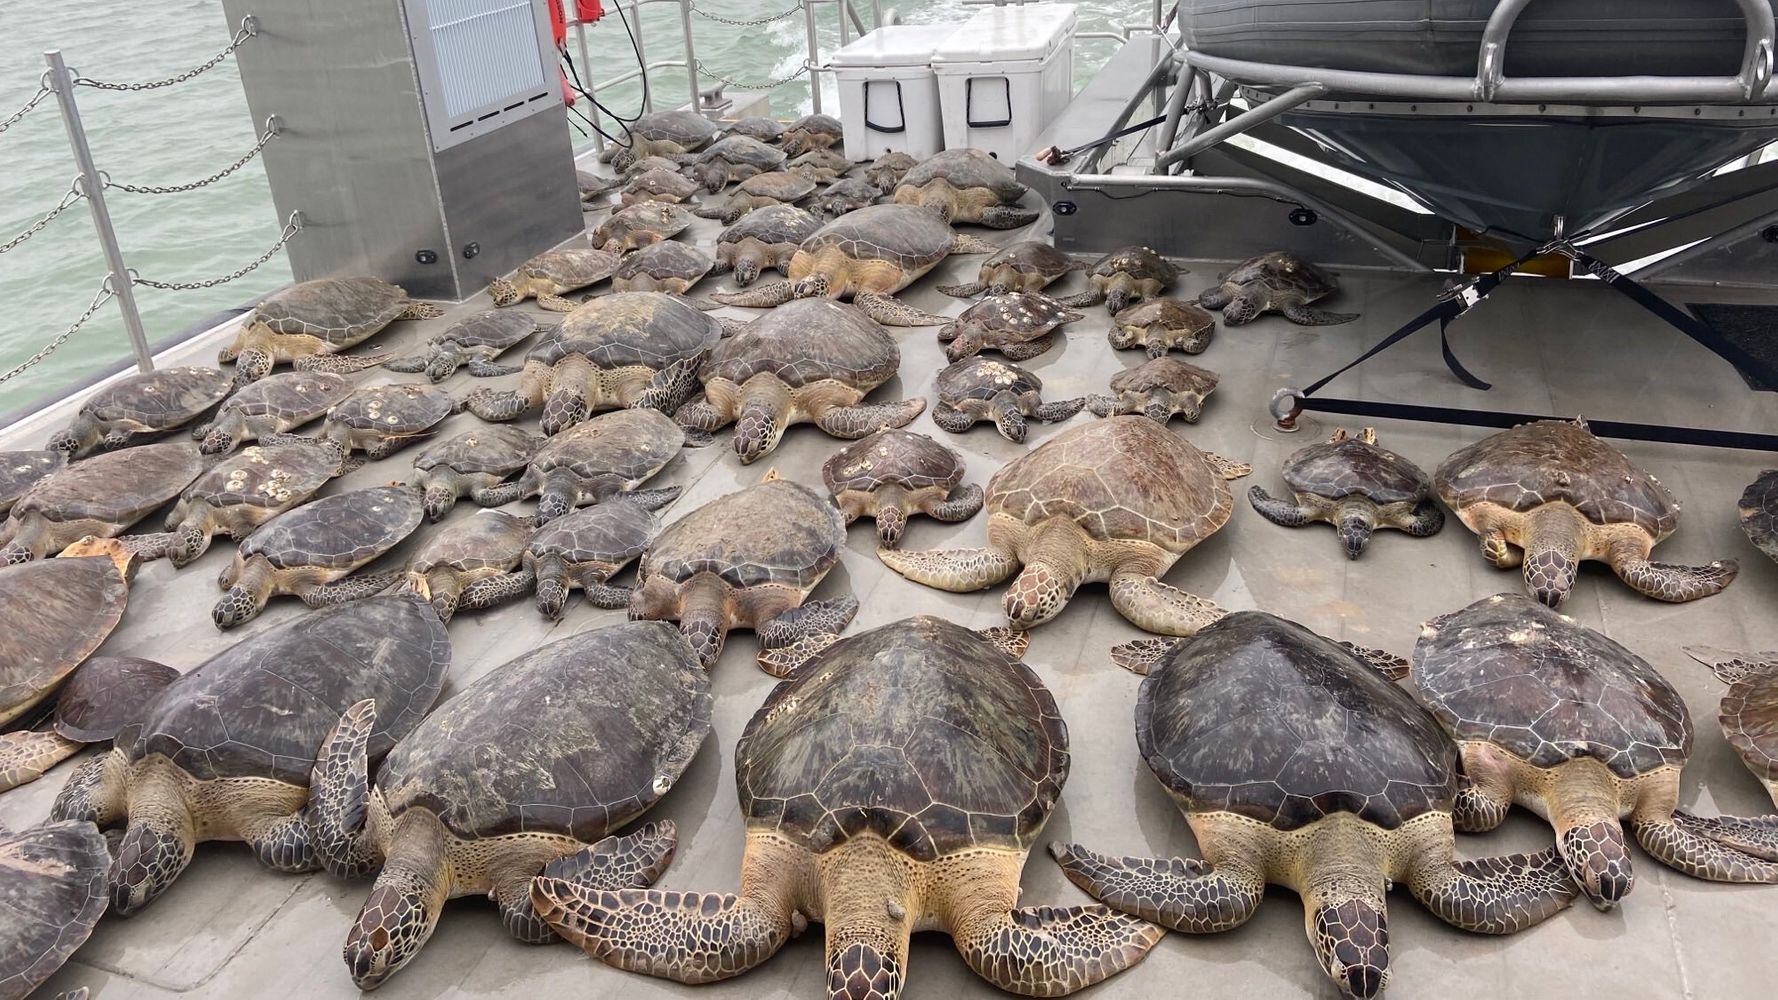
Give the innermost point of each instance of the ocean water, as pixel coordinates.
(189, 131)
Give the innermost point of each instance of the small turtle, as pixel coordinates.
(748, 559)
(1746, 715)
(667, 186)
(758, 127)
(980, 388)
(1355, 486)
(1278, 281)
(895, 473)
(1123, 276)
(1157, 389)
(819, 165)
(56, 612)
(647, 163)
(1296, 762)
(21, 470)
(671, 134)
(586, 548)
(471, 462)
(1118, 500)
(887, 170)
(967, 185)
(99, 496)
(1159, 324)
(811, 132)
(550, 274)
(867, 255)
(1025, 266)
(307, 550)
(451, 567)
(1580, 730)
(309, 323)
(592, 187)
(227, 750)
(1019, 325)
(381, 419)
(104, 695)
(627, 349)
(668, 266)
(475, 340)
(1758, 512)
(273, 405)
(769, 237)
(566, 744)
(240, 493)
(639, 225)
(592, 461)
(1548, 494)
(895, 784)
(848, 194)
(759, 191)
(139, 407)
(735, 158)
(53, 879)
(810, 360)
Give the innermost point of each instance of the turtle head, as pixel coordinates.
(817, 283)
(757, 429)
(247, 597)
(1355, 522)
(1598, 860)
(396, 920)
(503, 292)
(75, 440)
(891, 522)
(190, 539)
(1117, 296)
(219, 439)
(252, 365)
(1055, 567)
(746, 270)
(443, 365)
(1241, 309)
(1352, 941)
(154, 850)
(867, 927)
(552, 588)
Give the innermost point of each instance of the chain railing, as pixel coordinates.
(74, 194)
(271, 130)
(709, 73)
(736, 22)
(19, 115)
(292, 226)
(249, 28)
(104, 295)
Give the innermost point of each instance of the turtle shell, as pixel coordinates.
(108, 693)
(486, 539)
(1137, 262)
(818, 124)
(1032, 257)
(272, 475)
(592, 185)
(1168, 375)
(294, 397)
(1285, 272)
(1172, 314)
(1749, 718)
(1350, 467)
(572, 267)
(1553, 461)
(612, 532)
(1016, 316)
(744, 150)
(967, 169)
(494, 449)
(404, 408)
(1758, 511)
(340, 530)
(492, 328)
(52, 887)
(20, 470)
(892, 457)
(772, 532)
(626, 329)
(161, 399)
(262, 707)
(847, 194)
(1121, 478)
(773, 225)
(918, 731)
(1508, 671)
(887, 170)
(340, 311)
(576, 737)
(984, 378)
(666, 259)
(778, 185)
(686, 129)
(116, 487)
(631, 444)
(758, 127)
(55, 613)
(1258, 716)
(658, 181)
(908, 236)
(805, 341)
(656, 217)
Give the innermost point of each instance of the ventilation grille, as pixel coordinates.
(481, 63)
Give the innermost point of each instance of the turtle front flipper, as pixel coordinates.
(891, 311)
(499, 406)
(1303, 315)
(966, 290)
(1425, 521)
(157, 845)
(338, 364)
(409, 365)
(1732, 667)
(1500, 895)
(865, 419)
(687, 937)
(352, 588)
(669, 388)
(956, 570)
(24, 756)
(1008, 217)
(629, 862)
(1153, 606)
(1756, 835)
(495, 591)
(1215, 298)
(97, 791)
(483, 368)
(1091, 297)
(964, 502)
(1184, 894)
(1666, 581)
(339, 795)
(797, 634)
(772, 293)
(1289, 515)
(1139, 656)
(1686, 850)
(1052, 950)
(1057, 410)
(403, 906)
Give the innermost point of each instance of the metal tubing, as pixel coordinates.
(876, 13)
(813, 62)
(845, 30)
(1156, 74)
(641, 59)
(1182, 86)
(846, 5)
(94, 188)
(1239, 124)
(586, 68)
(691, 57)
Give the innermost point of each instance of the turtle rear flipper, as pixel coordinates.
(1732, 667)
(1303, 315)
(1756, 835)
(352, 588)
(1154, 606)
(1052, 949)
(25, 755)
(340, 794)
(1279, 512)
(891, 311)
(796, 635)
(1184, 894)
(1686, 850)
(687, 937)
(1496, 895)
(495, 591)
(956, 570)
(1139, 656)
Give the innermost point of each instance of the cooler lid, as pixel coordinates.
(894, 45)
(1007, 33)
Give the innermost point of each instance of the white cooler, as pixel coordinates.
(1005, 75)
(888, 93)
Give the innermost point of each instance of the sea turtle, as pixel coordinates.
(227, 750)
(273, 405)
(100, 496)
(895, 473)
(307, 550)
(1549, 494)
(848, 194)
(769, 237)
(52, 877)
(1118, 500)
(747, 559)
(661, 133)
(867, 255)
(1758, 511)
(1123, 276)
(1355, 486)
(381, 419)
(471, 462)
(759, 191)
(668, 186)
(1159, 324)
(21, 470)
(530, 770)
(1296, 762)
(967, 185)
(453, 562)
(475, 341)
(104, 695)
(819, 165)
(552, 273)
(757, 127)
(810, 360)
(979, 388)
(1019, 325)
(56, 612)
(1158, 388)
(242, 492)
(894, 785)
(592, 186)
(1562, 720)
(1747, 712)
(668, 266)
(592, 461)
(1278, 281)
(639, 167)
(139, 407)
(639, 225)
(735, 158)
(887, 170)
(309, 323)
(1025, 266)
(620, 350)
(812, 132)
(586, 548)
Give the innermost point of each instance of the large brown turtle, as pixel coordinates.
(1355, 486)
(593, 461)
(967, 185)
(819, 165)
(530, 770)
(887, 170)
(474, 341)
(52, 878)
(660, 133)
(226, 751)
(551, 274)
(140, 407)
(894, 785)
(769, 237)
(760, 127)
(99, 699)
(1549, 494)
(276, 404)
(810, 360)
(1123, 276)
(1758, 512)
(1157, 324)
(308, 323)
(453, 565)
(1158, 388)
(777, 187)
(811, 132)
(382, 419)
(979, 388)
(639, 225)
(101, 496)
(1297, 763)
(1117, 500)
(668, 186)
(895, 473)
(585, 549)
(735, 158)
(21, 470)
(1020, 325)
(56, 612)
(867, 255)
(1749, 718)
(1558, 718)
(1025, 266)
(1278, 281)
(668, 266)
(245, 490)
(472, 463)
(848, 194)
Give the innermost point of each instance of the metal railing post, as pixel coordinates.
(641, 56)
(691, 57)
(94, 188)
(1271, 109)
(876, 13)
(586, 68)
(814, 60)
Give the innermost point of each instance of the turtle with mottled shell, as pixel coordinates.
(979, 388)
(1276, 282)
(668, 266)
(886, 171)
(769, 237)
(759, 191)
(227, 750)
(759, 127)
(967, 185)
(593, 461)
(667, 186)
(820, 165)
(895, 784)
(105, 694)
(1117, 501)
(1355, 486)
(474, 341)
(245, 490)
(1749, 720)
(1025, 266)
(1758, 512)
(592, 186)
(735, 158)
(275, 404)
(54, 883)
(1158, 388)
(639, 225)
(55, 613)
(1126, 275)
(894, 474)
(642, 166)
(671, 134)
(553, 273)
(1547, 495)
(100, 496)
(21, 470)
(585, 549)
(140, 407)
(453, 566)
(471, 463)
(1020, 325)
(309, 323)
(1159, 324)
(812, 132)
(1297, 763)
(379, 420)
(848, 194)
